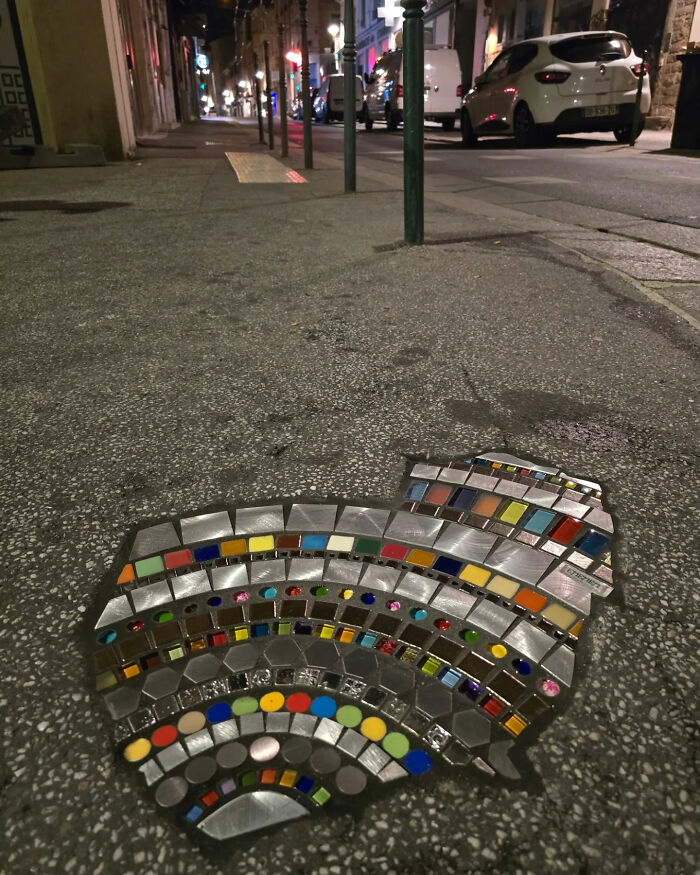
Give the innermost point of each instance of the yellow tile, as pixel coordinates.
(503, 586)
(233, 548)
(512, 512)
(474, 574)
(576, 630)
(346, 635)
(496, 465)
(326, 631)
(130, 670)
(261, 543)
(559, 615)
(240, 633)
(515, 724)
(198, 644)
(288, 778)
(420, 557)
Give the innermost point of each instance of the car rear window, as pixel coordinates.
(581, 49)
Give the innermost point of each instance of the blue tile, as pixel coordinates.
(259, 630)
(194, 813)
(539, 521)
(416, 491)
(445, 565)
(304, 784)
(366, 639)
(450, 677)
(314, 542)
(463, 499)
(206, 554)
(592, 543)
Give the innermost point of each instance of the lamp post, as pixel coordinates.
(282, 100)
(413, 77)
(305, 88)
(268, 94)
(258, 101)
(349, 132)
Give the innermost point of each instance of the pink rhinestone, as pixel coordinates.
(393, 606)
(548, 687)
(241, 596)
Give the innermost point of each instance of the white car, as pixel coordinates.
(329, 102)
(566, 83)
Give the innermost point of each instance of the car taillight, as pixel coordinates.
(459, 90)
(640, 69)
(399, 90)
(552, 76)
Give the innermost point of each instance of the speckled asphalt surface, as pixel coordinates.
(193, 341)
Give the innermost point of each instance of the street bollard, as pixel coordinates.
(413, 79)
(268, 94)
(258, 100)
(634, 133)
(305, 88)
(282, 100)
(349, 120)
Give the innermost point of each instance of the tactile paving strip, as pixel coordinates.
(261, 664)
(251, 167)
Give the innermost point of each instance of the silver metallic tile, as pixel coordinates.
(155, 539)
(434, 699)
(567, 590)
(414, 528)
(251, 812)
(573, 495)
(231, 755)
(529, 640)
(561, 664)
(277, 721)
(322, 653)
(519, 561)
(501, 762)
(391, 772)
(507, 459)
(472, 728)
(579, 560)
(251, 724)
(171, 792)
(122, 701)
(352, 687)
(453, 601)
(306, 569)
(198, 742)
(343, 571)
(595, 586)
(380, 577)
(241, 657)
(511, 488)
(187, 585)
(151, 772)
(437, 737)
(202, 668)
(282, 651)
(206, 527)
(600, 519)
(465, 543)
(351, 742)
(296, 750)
(362, 521)
(453, 475)
(229, 576)
(115, 610)
(261, 677)
(493, 618)
(540, 497)
(225, 731)
(527, 538)
(142, 719)
(200, 770)
(267, 571)
(255, 520)
(172, 756)
(416, 587)
(312, 517)
(151, 596)
(214, 688)
(161, 683)
(553, 548)
(482, 481)
(328, 730)
(165, 707)
(571, 508)
(374, 758)
(303, 724)
(360, 662)
(426, 472)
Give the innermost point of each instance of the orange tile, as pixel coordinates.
(420, 557)
(487, 505)
(233, 548)
(127, 574)
(576, 630)
(267, 776)
(531, 600)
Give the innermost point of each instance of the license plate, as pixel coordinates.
(592, 111)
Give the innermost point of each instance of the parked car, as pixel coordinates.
(442, 87)
(562, 84)
(329, 102)
(298, 104)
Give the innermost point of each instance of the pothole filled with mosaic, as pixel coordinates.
(265, 663)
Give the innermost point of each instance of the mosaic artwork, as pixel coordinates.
(263, 664)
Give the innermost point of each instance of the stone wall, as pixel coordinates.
(677, 31)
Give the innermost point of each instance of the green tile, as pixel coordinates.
(284, 628)
(321, 796)
(147, 567)
(105, 680)
(369, 546)
(248, 779)
(430, 666)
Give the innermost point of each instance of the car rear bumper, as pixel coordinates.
(573, 121)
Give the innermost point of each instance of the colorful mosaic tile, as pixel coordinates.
(263, 663)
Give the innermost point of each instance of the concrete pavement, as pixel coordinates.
(172, 338)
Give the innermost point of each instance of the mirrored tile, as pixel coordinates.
(541, 497)
(225, 731)
(115, 610)
(186, 585)
(151, 772)
(254, 520)
(466, 543)
(252, 724)
(380, 577)
(155, 539)
(416, 586)
(352, 742)
(206, 527)
(391, 772)
(482, 481)
(453, 601)
(511, 488)
(172, 756)
(343, 571)
(567, 590)
(529, 640)
(198, 742)
(267, 571)
(491, 617)
(312, 517)
(600, 519)
(250, 812)
(363, 521)
(306, 569)
(507, 459)
(328, 730)
(571, 508)
(229, 576)
(413, 527)
(561, 664)
(428, 472)
(453, 475)
(373, 758)
(519, 561)
(277, 721)
(303, 724)
(151, 596)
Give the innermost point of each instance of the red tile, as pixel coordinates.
(393, 551)
(438, 494)
(565, 531)
(178, 559)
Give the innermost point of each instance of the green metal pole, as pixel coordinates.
(634, 133)
(349, 120)
(282, 101)
(413, 79)
(306, 88)
(268, 94)
(258, 101)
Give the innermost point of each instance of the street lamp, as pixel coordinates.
(333, 30)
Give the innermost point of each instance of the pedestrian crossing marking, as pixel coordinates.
(250, 167)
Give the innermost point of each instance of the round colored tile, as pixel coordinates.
(271, 701)
(348, 715)
(396, 744)
(373, 728)
(418, 613)
(163, 736)
(350, 780)
(137, 750)
(264, 749)
(298, 702)
(417, 762)
(107, 636)
(191, 722)
(368, 598)
(244, 705)
(268, 592)
(219, 712)
(323, 706)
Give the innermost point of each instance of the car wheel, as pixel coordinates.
(468, 135)
(369, 123)
(624, 134)
(448, 124)
(524, 130)
(391, 124)
(327, 116)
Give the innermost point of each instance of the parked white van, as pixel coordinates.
(441, 84)
(329, 102)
